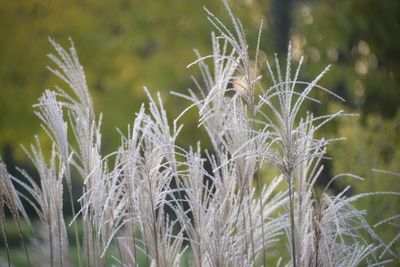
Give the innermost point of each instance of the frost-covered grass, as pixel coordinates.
(151, 202)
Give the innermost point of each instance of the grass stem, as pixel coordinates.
(291, 210)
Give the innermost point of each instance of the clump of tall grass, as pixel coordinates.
(159, 201)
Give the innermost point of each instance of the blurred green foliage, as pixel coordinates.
(125, 45)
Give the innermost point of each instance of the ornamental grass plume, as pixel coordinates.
(9, 198)
(154, 203)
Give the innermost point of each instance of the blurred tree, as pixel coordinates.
(281, 20)
(123, 45)
(358, 37)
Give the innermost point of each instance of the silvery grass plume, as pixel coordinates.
(87, 159)
(285, 140)
(46, 198)
(222, 202)
(9, 198)
(218, 223)
(148, 163)
(104, 199)
(329, 230)
(227, 122)
(224, 205)
(50, 112)
(288, 142)
(158, 199)
(130, 160)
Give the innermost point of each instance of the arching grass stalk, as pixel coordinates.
(252, 84)
(291, 210)
(77, 240)
(50, 239)
(23, 241)
(262, 217)
(9, 198)
(59, 238)
(131, 229)
(251, 224)
(18, 220)
(260, 188)
(116, 237)
(239, 212)
(4, 232)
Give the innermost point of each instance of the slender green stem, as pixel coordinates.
(291, 210)
(156, 237)
(77, 240)
(260, 197)
(86, 237)
(147, 256)
(4, 232)
(117, 235)
(23, 241)
(59, 238)
(51, 245)
(262, 217)
(251, 224)
(94, 245)
(119, 252)
(154, 223)
(133, 228)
